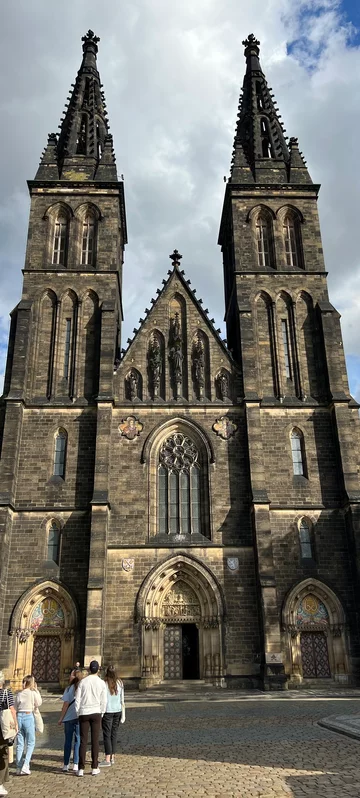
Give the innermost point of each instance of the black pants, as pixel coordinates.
(110, 725)
(4, 761)
(94, 721)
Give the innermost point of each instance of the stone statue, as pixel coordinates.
(224, 387)
(198, 356)
(155, 363)
(133, 382)
(176, 354)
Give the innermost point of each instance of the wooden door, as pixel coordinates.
(173, 652)
(46, 658)
(314, 655)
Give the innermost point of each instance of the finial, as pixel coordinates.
(251, 43)
(176, 258)
(90, 38)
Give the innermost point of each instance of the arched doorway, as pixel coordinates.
(43, 626)
(180, 609)
(314, 623)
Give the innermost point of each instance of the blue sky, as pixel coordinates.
(172, 75)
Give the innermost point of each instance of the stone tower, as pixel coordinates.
(302, 424)
(181, 508)
(58, 385)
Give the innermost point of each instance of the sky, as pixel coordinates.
(172, 74)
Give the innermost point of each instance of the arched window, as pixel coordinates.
(291, 240)
(305, 540)
(179, 486)
(88, 241)
(60, 453)
(298, 453)
(263, 241)
(53, 543)
(59, 245)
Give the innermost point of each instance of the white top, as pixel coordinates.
(27, 700)
(91, 696)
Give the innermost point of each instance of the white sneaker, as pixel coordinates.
(80, 772)
(75, 768)
(95, 771)
(3, 791)
(25, 771)
(65, 768)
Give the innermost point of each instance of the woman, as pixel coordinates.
(6, 701)
(115, 712)
(71, 722)
(26, 701)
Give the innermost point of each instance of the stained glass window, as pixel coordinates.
(297, 452)
(305, 540)
(53, 547)
(60, 453)
(179, 486)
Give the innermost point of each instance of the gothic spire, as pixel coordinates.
(260, 149)
(83, 141)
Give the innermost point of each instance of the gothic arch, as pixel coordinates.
(326, 618)
(285, 209)
(181, 424)
(44, 343)
(58, 207)
(45, 610)
(256, 210)
(88, 207)
(179, 591)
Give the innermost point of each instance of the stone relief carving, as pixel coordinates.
(155, 364)
(223, 386)
(198, 358)
(132, 380)
(176, 353)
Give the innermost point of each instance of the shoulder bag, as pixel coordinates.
(7, 722)
(39, 723)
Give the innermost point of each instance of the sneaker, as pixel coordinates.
(95, 771)
(104, 764)
(80, 772)
(2, 790)
(18, 771)
(112, 760)
(25, 771)
(75, 768)
(65, 768)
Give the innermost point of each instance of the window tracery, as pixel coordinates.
(179, 486)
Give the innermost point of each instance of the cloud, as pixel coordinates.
(172, 75)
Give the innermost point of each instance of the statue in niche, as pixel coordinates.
(224, 387)
(198, 356)
(176, 354)
(155, 364)
(133, 383)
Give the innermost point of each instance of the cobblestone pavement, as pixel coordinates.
(220, 745)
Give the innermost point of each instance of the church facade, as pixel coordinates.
(184, 508)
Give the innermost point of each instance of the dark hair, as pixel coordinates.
(77, 675)
(111, 680)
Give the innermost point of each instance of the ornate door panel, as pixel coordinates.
(314, 655)
(46, 658)
(173, 652)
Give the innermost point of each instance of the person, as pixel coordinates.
(115, 713)
(26, 701)
(70, 720)
(6, 701)
(90, 705)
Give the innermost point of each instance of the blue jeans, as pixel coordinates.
(25, 738)
(71, 728)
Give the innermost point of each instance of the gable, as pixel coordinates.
(176, 355)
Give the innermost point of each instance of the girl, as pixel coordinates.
(26, 702)
(71, 722)
(115, 712)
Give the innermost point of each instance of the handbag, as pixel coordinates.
(39, 723)
(7, 722)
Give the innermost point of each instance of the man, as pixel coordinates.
(90, 705)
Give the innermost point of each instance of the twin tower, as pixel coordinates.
(180, 508)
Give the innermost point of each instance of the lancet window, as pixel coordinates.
(179, 486)
(53, 543)
(298, 453)
(305, 540)
(60, 453)
(263, 241)
(291, 241)
(59, 245)
(88, 241)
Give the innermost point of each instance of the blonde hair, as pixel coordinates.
(2, 677)
(28, 682)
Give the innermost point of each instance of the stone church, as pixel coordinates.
(186, 507)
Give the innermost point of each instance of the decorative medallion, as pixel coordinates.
(128, 564)
(311, 611)
(130, 427)
(233, 563)
(47, 613)
(224, 427)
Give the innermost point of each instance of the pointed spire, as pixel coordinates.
(260, 143)
(298, 172)
(48, 168)
(84, 148)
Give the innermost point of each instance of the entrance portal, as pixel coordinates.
(181, 651)
(314, 655)
(46, 658)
